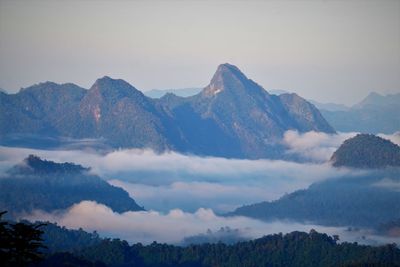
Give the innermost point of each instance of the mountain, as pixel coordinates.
(44, 109)
(374, 114)
(329, 106)
(364, 200)
(184, 92)
(46, 185)
(375, 99)
(366, 151)
(236, 117)
(232, 117)
(115, 110)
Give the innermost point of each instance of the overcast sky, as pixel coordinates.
(331, 51)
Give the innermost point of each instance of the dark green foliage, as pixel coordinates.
(19, 243)
(347, 201)
(366, 151)
(35, 165)
(45, 185)
(65, 259)
(294, 249)
(224, 234)
(61, 239)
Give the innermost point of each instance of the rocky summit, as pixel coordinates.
(231, 117)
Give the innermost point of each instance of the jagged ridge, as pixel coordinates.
(232, 117)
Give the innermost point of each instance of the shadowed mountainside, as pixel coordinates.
(40, 184)
(232, 117)
(364, 200)
(366, 151)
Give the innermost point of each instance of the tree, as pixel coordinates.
(20, 243)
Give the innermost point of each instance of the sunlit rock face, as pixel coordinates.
(232, 117)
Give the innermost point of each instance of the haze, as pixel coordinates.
(330, 51)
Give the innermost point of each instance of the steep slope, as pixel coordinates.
(359, 201)
(115, 110)
(232, 117)
(244, 119)
(46, 108)
(374, 114)
(366, 151)
(46, 185)
(304, 114)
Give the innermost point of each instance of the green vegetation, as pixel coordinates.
(19, 243)
(366, 151)
(46, 185)
(294, 249)
(24, 244)
(357, 201)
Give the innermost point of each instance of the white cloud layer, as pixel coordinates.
(395, 138)
(166, 181)
(171, 180)
(192, 195)
(172, 227)
(188, 191)
(314, 146)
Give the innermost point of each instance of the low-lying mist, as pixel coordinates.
(176, 225)
(184, 195)
(167, 181)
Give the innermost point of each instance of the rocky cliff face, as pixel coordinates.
(243, 116)
(232, 117)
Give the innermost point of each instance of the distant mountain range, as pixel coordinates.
(367, 151)
(374, 114)
(184, 92)
(329, 106)
(38, 184)
(232, 117)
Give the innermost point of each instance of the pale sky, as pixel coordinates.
(330, 51)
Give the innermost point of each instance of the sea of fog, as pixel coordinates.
(186, 195)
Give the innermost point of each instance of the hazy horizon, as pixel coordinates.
(324, 50)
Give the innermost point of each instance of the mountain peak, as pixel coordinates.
(34, 164)
(377, 100)
(226, 71)
(114, 88)
(226, 77)
(227, 66)
(40, 86)
(367, 151)
(107, 81)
